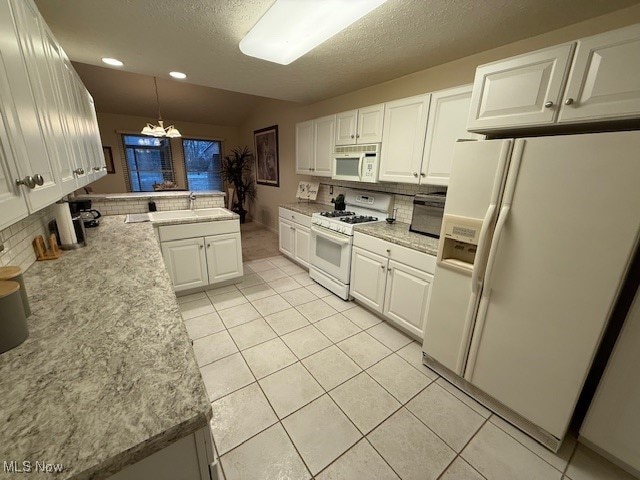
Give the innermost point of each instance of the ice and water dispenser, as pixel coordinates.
(459, 242)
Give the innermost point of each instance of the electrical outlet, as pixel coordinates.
(330, 189)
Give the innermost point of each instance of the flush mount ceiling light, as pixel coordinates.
(178, 75)
(160, 130)
(291, 28)
(114, 62)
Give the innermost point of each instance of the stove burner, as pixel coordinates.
(337, 213)
(359, 219)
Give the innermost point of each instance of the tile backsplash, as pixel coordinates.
(17, 239)
(403, 193)
(126, 205)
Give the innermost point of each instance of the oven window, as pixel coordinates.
(347, 167)
(328, 251)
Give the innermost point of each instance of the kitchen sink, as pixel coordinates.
(182, 214)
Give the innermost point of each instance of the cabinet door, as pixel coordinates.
(447, 123)
(323, 145)
(407, 297)
(370, 122)
(368, 278)
(304, 147)
(346, 123)
(186, 262)
(18, 51)
(405, 126)
(224, 257)
(604, 82)
(97, 161)
(287, 241)
(520, 91)
(12, 204)
(302, 238)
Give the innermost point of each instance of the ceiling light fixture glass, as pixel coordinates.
(114, 62)
(160, 130)
(178, 75)
(291, 28)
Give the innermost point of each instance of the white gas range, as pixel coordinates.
(332, 237)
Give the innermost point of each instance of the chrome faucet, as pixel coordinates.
(192, 201)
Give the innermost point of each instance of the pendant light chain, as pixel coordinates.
(155, 82)
(160, 130)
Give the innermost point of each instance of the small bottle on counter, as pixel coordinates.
(14, 274)
(13, 322)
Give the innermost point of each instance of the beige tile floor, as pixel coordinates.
(304, 385)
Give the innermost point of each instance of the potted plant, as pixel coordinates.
(236, 169)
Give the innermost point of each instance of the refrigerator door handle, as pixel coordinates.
(502, 218)
(482, 249)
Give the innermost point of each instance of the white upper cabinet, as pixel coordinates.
(405, 125)
(520, 91)
(323, 145)
(304, 147)
(604, 81)
(360, 126)
(12, 204)
(24, 119)
(447, 123)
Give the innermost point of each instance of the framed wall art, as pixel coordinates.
(265, 143)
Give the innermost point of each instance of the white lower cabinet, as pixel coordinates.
(224, 257)
(407, 297)
(190, 458)
(392, 280)
(295, 235)
(201, 254)
(186, 262)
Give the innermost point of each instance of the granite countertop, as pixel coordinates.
(148, 195)
(399, 234)
(198, 219)
(107, 375)
(307, 208)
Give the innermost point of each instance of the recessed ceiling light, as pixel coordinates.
(291, 28)
(179, 75)
(112, 61)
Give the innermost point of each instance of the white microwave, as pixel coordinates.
(357, 163)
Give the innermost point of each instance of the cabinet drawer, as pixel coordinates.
(420, 260)
(300, 218)
(202, 229)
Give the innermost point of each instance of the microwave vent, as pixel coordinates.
(371, 147)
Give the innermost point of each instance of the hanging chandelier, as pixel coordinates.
(160, 130)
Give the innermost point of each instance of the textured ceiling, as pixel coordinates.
(200, 38)
(115, 91)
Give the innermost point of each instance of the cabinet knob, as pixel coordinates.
(27, 181)
(415, 174)
(422, 174)
(79, 171)
(388, 269)
(201, 246)
(352, 136)
(96, 169)
(568, 101)
(388, 250)
(104, 167)
(382, 267)
(357, 135)
(39, 179)
(208, 245)
(548, 104)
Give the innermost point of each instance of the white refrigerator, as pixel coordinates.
(536, 240)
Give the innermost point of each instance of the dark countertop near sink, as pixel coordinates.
(107, 375)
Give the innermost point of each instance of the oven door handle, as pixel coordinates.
(331, 236)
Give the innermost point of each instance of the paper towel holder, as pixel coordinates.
(78, 226)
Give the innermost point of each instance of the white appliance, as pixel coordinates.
(612, 425)
(536, 240)
(332, 237)
(356, 163)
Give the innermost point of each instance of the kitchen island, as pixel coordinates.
(107, 376)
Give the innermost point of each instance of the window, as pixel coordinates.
(148, 161)
(202, 164)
